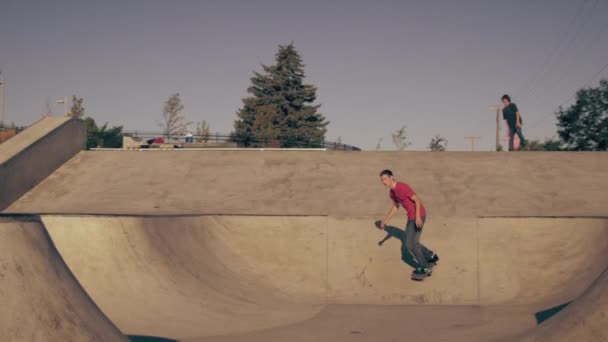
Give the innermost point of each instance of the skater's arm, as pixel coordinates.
(518, 119)
(390, 215)
(418, 203)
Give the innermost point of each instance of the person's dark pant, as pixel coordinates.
(413, 246)
(512, 132)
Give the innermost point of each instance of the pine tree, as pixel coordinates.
(280, 107)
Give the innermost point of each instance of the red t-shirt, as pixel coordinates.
(402, 194)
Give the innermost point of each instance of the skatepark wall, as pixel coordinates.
(583, 320)
(260, 272)
(41, 299)
(213, 236)
(32, 155)
(339, 184)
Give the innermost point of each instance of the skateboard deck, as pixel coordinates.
(418, 277)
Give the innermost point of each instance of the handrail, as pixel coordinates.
(249, 141)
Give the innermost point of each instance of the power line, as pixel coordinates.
(556, 49)
(568, 47)
(594, 40)
(572, 96)
(568, 70)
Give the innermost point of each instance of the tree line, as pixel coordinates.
(280, 108)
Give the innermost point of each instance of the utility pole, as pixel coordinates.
(498, 108)
(472, 141)
(2, 84)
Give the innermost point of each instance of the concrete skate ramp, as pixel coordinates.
(451, 184)
(280, 246)
(40, 300)
(304, 278)
(583, 320)
(35, 153)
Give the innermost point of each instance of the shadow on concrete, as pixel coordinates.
(138, 338)
(544, 315)
(399, 234)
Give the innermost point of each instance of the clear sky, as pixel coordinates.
(434, 66)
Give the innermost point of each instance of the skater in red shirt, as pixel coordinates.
(401, 194)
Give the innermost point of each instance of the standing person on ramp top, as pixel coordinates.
(401, 194)
(512, 116)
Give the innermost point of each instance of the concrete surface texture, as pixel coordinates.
(40, 298)
(583, 320)
(33, 154)
(322, 183)
(227, 275)
(281, 246)
(30, 136)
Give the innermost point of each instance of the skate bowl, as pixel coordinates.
(41, 299)
(282, 246)
(246, 278)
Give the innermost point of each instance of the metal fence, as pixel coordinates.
(249, 141)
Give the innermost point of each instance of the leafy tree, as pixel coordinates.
(77, 110)
(91, 129)
(19, 129)
(400, 139)
(584, 125)
(379, 144)
(438, 143)
(173, 118)
(202, 131)
(102, 136)
(280, 106)
(15, 128)
(534, 145)
(110, 137)
(552, 145)
(547, 145)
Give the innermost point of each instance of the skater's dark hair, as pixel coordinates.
(507, 97)
(386, 172)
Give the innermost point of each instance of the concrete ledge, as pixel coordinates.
(32, 155)
(337, 183)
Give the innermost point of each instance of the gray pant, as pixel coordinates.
(413, 246)
(512, 132)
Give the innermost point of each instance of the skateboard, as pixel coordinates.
(418, 276)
